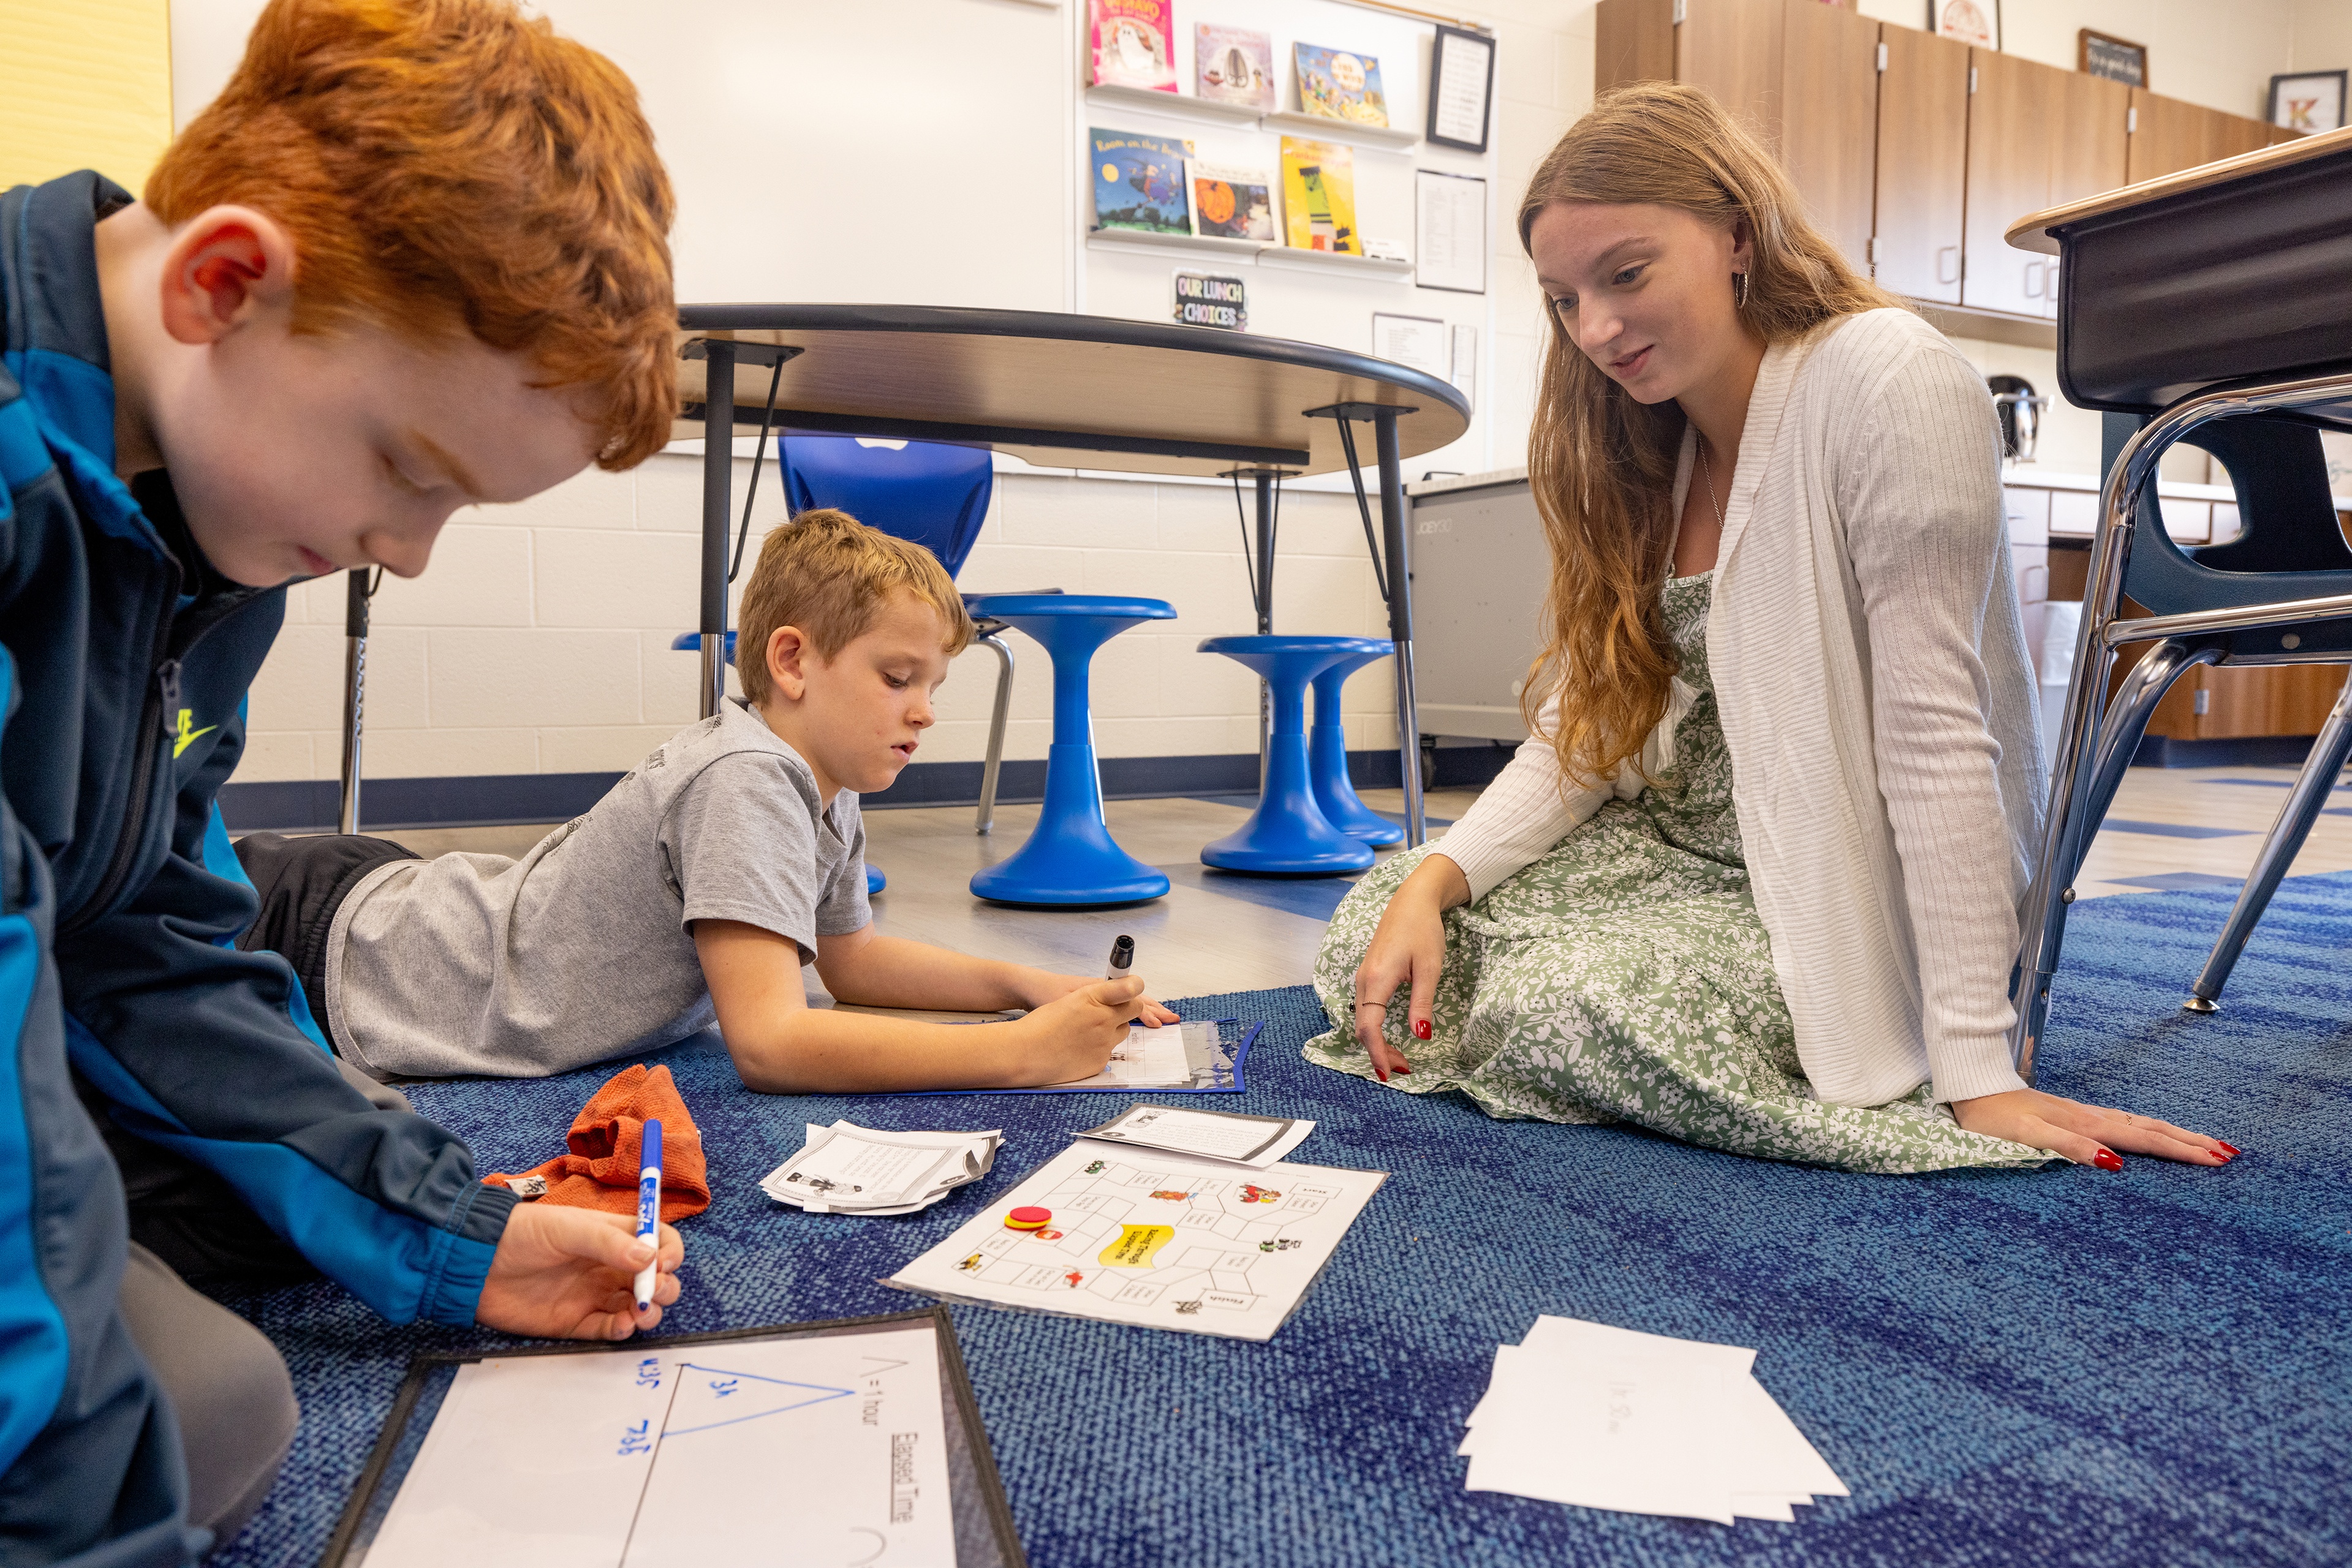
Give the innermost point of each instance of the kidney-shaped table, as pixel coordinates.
(1067, 391)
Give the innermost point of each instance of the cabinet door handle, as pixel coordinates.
(2034, 271)
(1947, 264)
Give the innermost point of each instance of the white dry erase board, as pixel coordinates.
(820, 1444)
(935, 152)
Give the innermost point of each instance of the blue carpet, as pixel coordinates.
(2058, 1367)
(2173, 881)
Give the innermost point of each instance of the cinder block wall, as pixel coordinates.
(538, 641)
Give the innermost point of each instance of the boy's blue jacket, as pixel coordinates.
(123, 668)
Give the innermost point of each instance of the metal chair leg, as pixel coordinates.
(2312, 788)
(995, 729)
(2119, 736)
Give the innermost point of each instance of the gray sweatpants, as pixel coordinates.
(229, 1392)
(228, 1387)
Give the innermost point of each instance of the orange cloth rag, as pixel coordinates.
(607, 1140)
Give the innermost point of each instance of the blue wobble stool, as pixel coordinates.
(686, 641)
(1326, 747)
(1070, 858)
(1288, 831)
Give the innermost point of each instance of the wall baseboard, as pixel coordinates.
(504, 800)
(2244, 751)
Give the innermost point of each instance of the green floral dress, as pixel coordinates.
(1626, 977)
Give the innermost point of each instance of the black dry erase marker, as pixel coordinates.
(1122, 958)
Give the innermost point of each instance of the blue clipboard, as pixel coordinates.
(1221, 1075)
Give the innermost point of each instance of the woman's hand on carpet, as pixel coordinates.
(2086, 1135)
(1407, 949)
(570, 1273)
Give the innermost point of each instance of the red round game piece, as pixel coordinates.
(1028, 1218)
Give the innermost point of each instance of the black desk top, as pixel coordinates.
(1062, 391)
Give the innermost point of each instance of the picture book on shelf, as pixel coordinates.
(1139, 182)
(1233, 65)
(1337, 85)
(1231, 203)
(1134, 43)
(1318, 197)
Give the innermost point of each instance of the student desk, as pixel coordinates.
(1137, 396)
(2214, 295)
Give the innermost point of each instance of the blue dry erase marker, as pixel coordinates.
(649, 1212)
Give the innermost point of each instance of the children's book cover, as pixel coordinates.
(1233, 65)
(1318, 197)
(1139, 182)
(1134, 43)
(1337, 85)
(1229, 203)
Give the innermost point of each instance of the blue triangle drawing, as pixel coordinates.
(711, 1397)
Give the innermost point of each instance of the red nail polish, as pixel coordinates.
(1421, 1028)
(1381, 1076)
(2227, 1149)
(1404, 1072)
(2109, 1160)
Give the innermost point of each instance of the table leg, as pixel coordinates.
(718, 506)
(1395, 537)
(1264, 550)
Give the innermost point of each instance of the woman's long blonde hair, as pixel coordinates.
(1600, 464)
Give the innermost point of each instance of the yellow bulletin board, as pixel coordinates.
(84, 84)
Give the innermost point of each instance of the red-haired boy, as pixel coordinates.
(414, 257)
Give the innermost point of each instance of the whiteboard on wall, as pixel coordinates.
(933, 151)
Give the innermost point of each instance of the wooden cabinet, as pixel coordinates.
(2013, 108)
(1828, 119)
(2037, 136)
(1922, 174)
(1803, 76)
(2089, 156)
(2169, 135)
(2210, 703)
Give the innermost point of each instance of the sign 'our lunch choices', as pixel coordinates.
(1206, 299)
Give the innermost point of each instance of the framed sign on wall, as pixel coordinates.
(2308, 101)
(2104, 55)
(1976, 23)
(1461, 88)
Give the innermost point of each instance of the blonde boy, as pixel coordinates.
(705, 881)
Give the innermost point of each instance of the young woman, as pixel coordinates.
(1753, 883)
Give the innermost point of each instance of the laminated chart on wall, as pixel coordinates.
(1154, 1240)
(690, 1451)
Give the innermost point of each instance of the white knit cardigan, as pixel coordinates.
(1869, 663)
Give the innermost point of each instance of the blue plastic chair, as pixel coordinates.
(1288, 832)
(935, 496)
(687, 642)
(1326, 747)
(1070, 858)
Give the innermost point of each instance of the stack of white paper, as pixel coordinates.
(849, 1169)
(1605, 1418)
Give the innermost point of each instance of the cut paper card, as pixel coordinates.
(1150, 1239)
(848, 1169)
(1598, 1417)
(1255, 1141)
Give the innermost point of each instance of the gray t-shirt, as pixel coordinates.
(583, 949)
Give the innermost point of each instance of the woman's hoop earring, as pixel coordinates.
(1739, 286)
